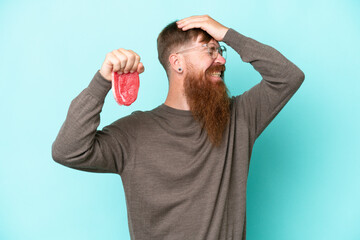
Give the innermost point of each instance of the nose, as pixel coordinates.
(220, 59)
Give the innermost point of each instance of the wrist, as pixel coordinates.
(104, 76)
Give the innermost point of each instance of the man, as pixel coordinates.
(184, 164)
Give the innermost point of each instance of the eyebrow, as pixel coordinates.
(216, 44)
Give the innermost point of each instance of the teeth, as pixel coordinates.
(216, 74)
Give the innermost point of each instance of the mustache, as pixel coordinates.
(217, 68)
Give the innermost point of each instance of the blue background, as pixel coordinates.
(304, 180)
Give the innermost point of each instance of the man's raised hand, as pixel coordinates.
(121, 61)
(206, 23)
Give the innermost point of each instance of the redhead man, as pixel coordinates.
(184, 164)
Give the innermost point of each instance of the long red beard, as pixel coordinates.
(209, 102)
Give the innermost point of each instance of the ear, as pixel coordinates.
(176, 62)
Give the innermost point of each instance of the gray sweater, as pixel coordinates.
(177, 185)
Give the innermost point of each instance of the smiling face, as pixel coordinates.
(206, 92)
(201, 60)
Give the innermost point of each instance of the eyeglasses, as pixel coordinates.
(213, 50)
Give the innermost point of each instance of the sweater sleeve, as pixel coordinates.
(280, 80)
(79, 144)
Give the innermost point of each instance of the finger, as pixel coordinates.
(140, 68)
(130, 59)
(136, 62)
(188, 26)
(192, 19)
(126, 59)
(193, 23)
(121, 59)
(115, 62)
(197, 17)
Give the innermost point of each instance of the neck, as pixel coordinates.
(176, 97)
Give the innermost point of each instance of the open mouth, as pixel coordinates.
(216, 74)
(217, 71)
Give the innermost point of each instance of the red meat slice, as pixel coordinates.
(125, 87)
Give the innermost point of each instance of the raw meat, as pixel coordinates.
(125, 87)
